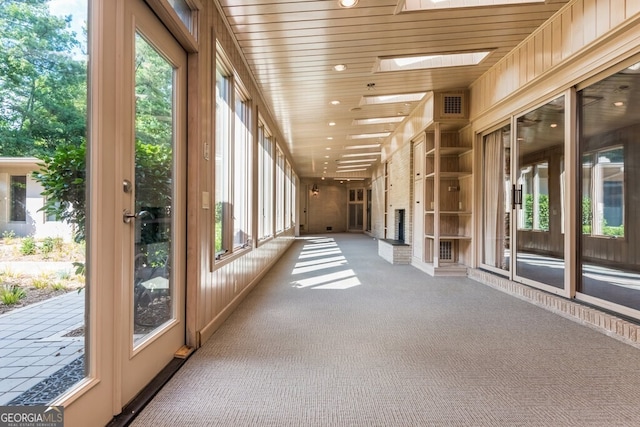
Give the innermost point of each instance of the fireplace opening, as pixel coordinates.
(399, 225)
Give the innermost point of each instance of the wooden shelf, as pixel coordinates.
(448, 237)
(455, 213)
(454, 174)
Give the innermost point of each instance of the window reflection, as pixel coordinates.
(184, 12)
(609, 128)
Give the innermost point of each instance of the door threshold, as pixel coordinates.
(137, 404)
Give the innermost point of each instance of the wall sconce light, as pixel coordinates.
(315, 190)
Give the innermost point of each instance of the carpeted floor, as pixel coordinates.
(336, 336)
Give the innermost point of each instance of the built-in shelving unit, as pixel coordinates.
(448, 196)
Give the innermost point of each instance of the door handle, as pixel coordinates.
(516, 197)
(127, 216)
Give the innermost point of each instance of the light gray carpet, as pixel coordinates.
(336, 336)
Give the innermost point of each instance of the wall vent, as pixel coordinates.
(446, 251)
(451, 105)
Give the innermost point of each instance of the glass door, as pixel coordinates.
(537, 195)
(153, 198)
(496, 220)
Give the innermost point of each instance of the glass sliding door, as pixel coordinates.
(496, 200)
(538, 193)
(609, 128)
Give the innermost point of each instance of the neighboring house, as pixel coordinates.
(22, 201)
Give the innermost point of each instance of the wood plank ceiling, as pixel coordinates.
(292, 47)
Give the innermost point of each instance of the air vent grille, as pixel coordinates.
(452, 105)
(446, 250)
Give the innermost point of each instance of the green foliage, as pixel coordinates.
(218, 227)
(40, 283)
(28, 246)
(42, 87)
(50, 244)
(586, 215)
(63, 177)
(611, 231)
(58, 286)
(80, 268)
(542, 214)
(8, 235)
(10, 295)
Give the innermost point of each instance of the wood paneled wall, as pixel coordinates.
(214, 289)
(569, 34)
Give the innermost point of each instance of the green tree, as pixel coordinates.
(42, 87)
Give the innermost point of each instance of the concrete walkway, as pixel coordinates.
(32, 346)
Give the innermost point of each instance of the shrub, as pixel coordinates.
(28, 246)
(58, 286)
(40, 283)
(10, 295)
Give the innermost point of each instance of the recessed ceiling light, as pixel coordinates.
(335, 102)
(347, 3)
(326, 157)
(369, 135)
(422, 62)
(329, 138)
(618, 103)
(328, 148)
(378, 120)
(554, 125)
(332, 123)
(339, 67)
(393, 98)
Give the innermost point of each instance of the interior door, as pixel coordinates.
(153, 197)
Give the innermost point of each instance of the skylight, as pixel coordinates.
(369, 135)
(362, 154)
(422, 62)
(390, 99)
(359, 147)
(378, 120)
(415, 5)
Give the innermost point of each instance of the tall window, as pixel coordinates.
(265, 183)
(287, 192)
(279, 191)
(222, 160)
(18, 198)
(242, 171)
(233, 164)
